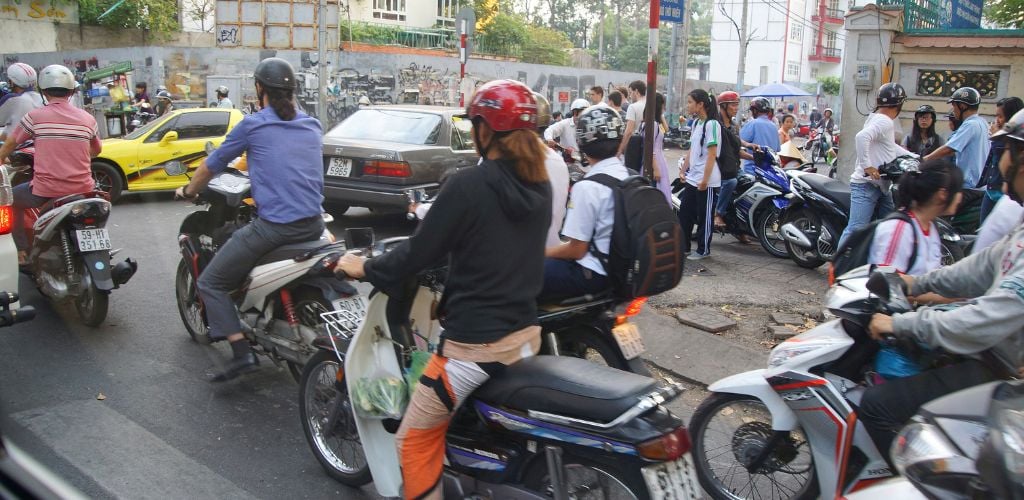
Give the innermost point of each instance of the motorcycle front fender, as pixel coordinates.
(753, 383)
(98, 264)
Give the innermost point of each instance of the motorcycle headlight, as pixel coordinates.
(789, 350)
(922, 450)
(1010, 425)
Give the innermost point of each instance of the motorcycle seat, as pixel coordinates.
(290, 251)
(575, 301)
(569, 387)
(834, 190)
(64, 200)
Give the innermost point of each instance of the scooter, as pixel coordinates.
(546, 427)
(576, 162)
(71, 251)
(791, 430)
(280, 302)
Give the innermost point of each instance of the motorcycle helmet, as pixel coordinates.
(163, 94)
(580, 104)
(760, 105)
(829, 111)
(966, 95)
(924, 109)
(599, 132)
(222, 90)
(21, 75)
(1013, 130)
(274, 72)
(543, 111)
(505, 105)
(56, 76)
(364, 101)
(890, 95)
(728, 97)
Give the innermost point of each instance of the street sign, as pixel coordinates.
(465, 25)
(563, 97)
(469, 15)
(671, 11)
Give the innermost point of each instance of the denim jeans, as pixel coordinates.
(565, 279)
(725, 196)
(23, 200)
(867, 202)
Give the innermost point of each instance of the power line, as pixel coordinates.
(795, 18)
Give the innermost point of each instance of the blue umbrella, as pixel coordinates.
(775, 90)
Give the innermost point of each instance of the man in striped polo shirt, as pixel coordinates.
(66, 139)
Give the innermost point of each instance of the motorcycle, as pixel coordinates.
(968, 444)
(791, 429)
(280, 302)
(545, 427)
(70, 254)
(679, 136)
(576, 162)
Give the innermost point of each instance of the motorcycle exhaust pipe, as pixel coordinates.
(795, 236)
(123, 271)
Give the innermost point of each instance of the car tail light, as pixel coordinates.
(6, 219)
(668, 447)
(387, 168)
(632, 309)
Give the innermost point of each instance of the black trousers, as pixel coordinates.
(697, 207)
(886, 408)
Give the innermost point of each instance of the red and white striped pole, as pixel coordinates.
(652, 82)
(462, 61)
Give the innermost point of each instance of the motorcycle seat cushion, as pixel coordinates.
(64, 200)
(570, 387)
(835, 190)
(290, 251)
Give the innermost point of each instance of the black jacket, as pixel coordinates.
(493, 228)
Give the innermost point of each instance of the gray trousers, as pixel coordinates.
(237, 257)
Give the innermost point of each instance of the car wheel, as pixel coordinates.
(107, 179)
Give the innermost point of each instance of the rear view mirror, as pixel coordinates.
(890, 287)
(209, 147)
(175, 167)
(359, 238)
(169, 137)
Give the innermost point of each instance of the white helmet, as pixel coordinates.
(223, 90)
(364, 101)
(22, 75)
(579, 104)
(56, 76)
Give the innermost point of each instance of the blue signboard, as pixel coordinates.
(672, 11)
(960, 14)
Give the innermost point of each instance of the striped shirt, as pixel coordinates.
(66, 138)
(893, 245)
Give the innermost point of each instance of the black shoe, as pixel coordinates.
(236, 367)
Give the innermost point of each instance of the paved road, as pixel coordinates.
(162, 430)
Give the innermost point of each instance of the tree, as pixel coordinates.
(830, 84)
(1008, 13)
(201, 12)
(503, 31)
(545, 46)
(158, 16)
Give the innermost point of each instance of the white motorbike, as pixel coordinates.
(791, 430)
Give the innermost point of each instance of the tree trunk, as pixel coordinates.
(618, 23)
(600, 37)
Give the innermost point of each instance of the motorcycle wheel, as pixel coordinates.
(319, 395)
(768, 233)
(91, 302)
(107, 179)
(951, 253)
(807, 258)
(728, 432)
(586, 344)
(309, 304)
(585, 480)
(189, 308)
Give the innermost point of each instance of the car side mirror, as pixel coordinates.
(175, 167)
(169, 137)
(209, 147)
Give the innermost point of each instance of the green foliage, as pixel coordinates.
(369, 33)
(545, 46)
(158, 16)
(1006, 13)
(504, 29)
(830, 84)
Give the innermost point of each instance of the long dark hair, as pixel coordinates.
(282, 101)
(914, 141)
(659, 107)
(708, 101)
(918, 187)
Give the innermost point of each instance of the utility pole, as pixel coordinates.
(741, 68)
(652, 80)
(600, 37)
(684, 50)
(673, 69)
(321, 64)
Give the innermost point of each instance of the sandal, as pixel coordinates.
(719, 223)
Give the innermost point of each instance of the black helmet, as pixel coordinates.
(890, 95)
(966, 95)
(1013, 129)
(599, 131)
(760, 105)
(275, 72)
(925, 108)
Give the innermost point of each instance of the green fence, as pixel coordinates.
(422, 38)
(926, 17)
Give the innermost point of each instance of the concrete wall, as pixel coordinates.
(28, 36)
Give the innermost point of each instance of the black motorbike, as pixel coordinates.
(678, 136)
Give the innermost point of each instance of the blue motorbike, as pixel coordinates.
(758, 202)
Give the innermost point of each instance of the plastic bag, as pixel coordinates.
(419, 363)
(381, 395)
(892, 363)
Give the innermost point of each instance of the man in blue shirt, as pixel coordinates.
(760, 130)
(970, 142)
(286, 171)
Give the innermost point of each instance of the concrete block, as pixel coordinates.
(781, 332)
(787, 318)
(705, 320)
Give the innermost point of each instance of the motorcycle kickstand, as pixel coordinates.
(556, 471)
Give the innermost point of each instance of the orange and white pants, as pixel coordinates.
(449, 378)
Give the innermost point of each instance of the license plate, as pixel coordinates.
(90, 240)
(340, 167)
(627, 335)
(672, 480)
(355, 304)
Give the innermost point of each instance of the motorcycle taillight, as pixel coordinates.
(6, 219)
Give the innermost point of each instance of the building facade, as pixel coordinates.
(407, 13)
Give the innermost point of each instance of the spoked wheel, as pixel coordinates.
(91, 302)
(107, 179)
(328, 421)
(189, 307)
(951, 253)
(588, 481)
(309, 305)
(768, 233)
(730, 432)
(804, 257)
(587, 345)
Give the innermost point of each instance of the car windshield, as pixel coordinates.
(392, 125)
(141, 131)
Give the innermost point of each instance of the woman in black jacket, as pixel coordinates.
(923, 140)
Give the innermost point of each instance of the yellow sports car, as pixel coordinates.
(136, 162)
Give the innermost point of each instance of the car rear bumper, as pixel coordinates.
(374, 196)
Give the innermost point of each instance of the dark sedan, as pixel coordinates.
(378, 154)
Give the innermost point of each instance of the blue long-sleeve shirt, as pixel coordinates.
(760, 131)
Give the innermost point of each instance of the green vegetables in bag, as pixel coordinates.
(383, 396)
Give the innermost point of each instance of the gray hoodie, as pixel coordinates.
(993, 317)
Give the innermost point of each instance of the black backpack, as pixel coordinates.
(645, 254)
(856, 250)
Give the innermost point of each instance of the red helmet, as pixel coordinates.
(505, 105)
(728, 97)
